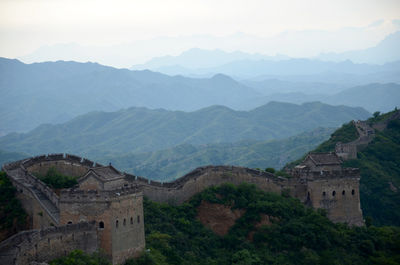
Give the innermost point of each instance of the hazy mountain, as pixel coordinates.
(141, 129)
(200, 62)
(175, 162)
(6, 157)
(56, 91)
(386, 51)
(293, 43)
(199, 58)
(373, 97)
(310, 70)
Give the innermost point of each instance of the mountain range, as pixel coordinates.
(168, 164)
(142, 130)
(55, 92)
(58, 91)
(240, 65)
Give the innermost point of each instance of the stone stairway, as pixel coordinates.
(50, 207)
(19, 175)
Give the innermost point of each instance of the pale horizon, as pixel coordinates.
(125, 33)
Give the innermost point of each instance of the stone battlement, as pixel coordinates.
(48, 243)
(73, 195)
(325, 174)
(114, 200)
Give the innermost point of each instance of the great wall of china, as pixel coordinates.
(329, 187)
(105, 210)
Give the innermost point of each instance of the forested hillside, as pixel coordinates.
(294, 234)
(174, 162)
(379, 164)
(142, 130)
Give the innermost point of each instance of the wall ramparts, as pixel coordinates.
(196, 181)
(47, 244)
(40, 216)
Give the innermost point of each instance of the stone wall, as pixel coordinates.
(118, 215)
(39, 215)
(184, 188)
(47, 244)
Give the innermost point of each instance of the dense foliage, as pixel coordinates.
(56, 180)
(379, 164)
(12, 216)
(77, 257)
(297, 235)
(175, 162)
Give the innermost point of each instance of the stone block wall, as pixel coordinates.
(47, 244)
(118, 215)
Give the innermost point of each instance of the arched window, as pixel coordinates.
(333, 193)
(352, 192)
(324, 194)
(343, 192)
(308, 195)
(131, 220)
(124, 222)
(116, 224)
(101, 224)
(69, 222)
(138, 218)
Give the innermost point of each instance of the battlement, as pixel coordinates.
(82, 196)
(324, 174)
(49, 243)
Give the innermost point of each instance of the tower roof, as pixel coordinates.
(104, 173)
(321, 159)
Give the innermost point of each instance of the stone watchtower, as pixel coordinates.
(331, 187)
(104, 196)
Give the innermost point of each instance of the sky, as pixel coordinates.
(35, 29)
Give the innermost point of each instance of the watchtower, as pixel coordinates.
(104, 196)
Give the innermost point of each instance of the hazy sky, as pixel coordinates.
(26, 25)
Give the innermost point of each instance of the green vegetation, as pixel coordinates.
(379, 164)
(378, 117)
(77, 257)
(57, 180)
(175, 162)
(346, 133)
(297, 235)
(12, 215)
(135, 130)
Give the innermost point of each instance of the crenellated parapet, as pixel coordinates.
(325, 174)
(48, 243)
(87, 196)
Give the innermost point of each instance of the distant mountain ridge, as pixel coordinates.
(142, 130)
(386, 51)
(201, 62)
(177, 161)
(58, 91)
(372, 97)
(55, 92)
